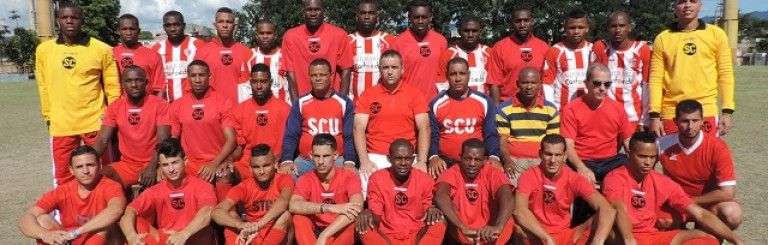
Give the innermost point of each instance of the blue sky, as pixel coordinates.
(201, 11)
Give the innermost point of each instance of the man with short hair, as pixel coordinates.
(366, 44)
(400, 208)
(180, 204)
(314, 39)
(268, 52)
(202, 120)
(566, 63)
(76, 79)
(264, 200)
(475, 198)
(131, 52)
(544, 197)
(691, 60)
(638, 193)
(702, 164)
(259, 120)
(226, 56)
(458, 114)
(322, 111)
(326, 201)
(470, 49)
(390, 110)
(629, 61)
(523, 121)
(421, 48)
(139, 120)
(510, 55)
(176, 52)
(88, 207)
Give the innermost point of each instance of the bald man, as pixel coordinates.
(522, 121)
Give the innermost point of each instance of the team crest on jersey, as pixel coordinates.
(689, 48)
(226, 59)
(314, 45)
(177, 200)
(401, 199)
(261, 206)
(261, 119)
(197, 112)
(69, 62)
(638, 201)
(707, 126)
(526, 54)
(425, 51)
(472, 194)
(375, 107)
(134, 117)
(126, 61)
(549, 196)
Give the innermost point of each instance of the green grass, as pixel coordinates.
(25, 161)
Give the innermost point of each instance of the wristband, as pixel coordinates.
(433, 156)
(728, 111)
(321, 208)
(494, 157)
(74, 233)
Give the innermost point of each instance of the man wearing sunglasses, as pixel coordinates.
(593, 125)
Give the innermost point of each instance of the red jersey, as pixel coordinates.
(255, 200)
(477, 60)
(366, 52)
(279, 88)
(598, 133)
(200, 124)
(392, 115)
(137, 126)
(455, 120)
(474, 200)
(629, 73)
(644, 200)
(301, 47)
(228, 67)
(565, 71)
(508, 57)
(260, 124)
(173, 208)
(704, 167)
(311, 116)
(145, 58)
(420, 59)
(175, 61)
(550, 200)
(344, 184)
(400, 207)
(75, 211)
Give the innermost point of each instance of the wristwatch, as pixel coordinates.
(74, 233)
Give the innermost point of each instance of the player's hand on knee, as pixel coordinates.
(55, 237)
(177, 238)
(436, 166)
(365, 222)
(587, 173)
(207, 172)
(433, 216)
(489, 233)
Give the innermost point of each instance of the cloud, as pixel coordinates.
(150, 12)
(24, 8)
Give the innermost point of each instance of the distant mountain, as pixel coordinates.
(760, 15)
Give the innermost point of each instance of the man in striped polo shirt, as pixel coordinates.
(366, 44)
(522, 121)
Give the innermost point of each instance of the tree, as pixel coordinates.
(101, 19)
(21, 48)
(15, 17)
(146, 35)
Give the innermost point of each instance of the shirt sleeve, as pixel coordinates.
(428, 195)
(353, 185)
(345, 60)
(725, 173)
(173, 118)
(495, 66)
(725, 79)
(549, 69)
(599, 50)
(157, 73)
(42, 84)
(236, 194)
(677, 199)
(441, 66)
(582, 187)
(375, 199)
(526, 182)
(288, 51)
(49, 201)
(363, 103)
(502, 121)
(143, 203)
(656, 77)
(285, 182)
(419, 104)
(434, 143)
(627, 129)
(303, 187)
(553, 126)
(613, 188)
(348, 131)
(292, 134)
(497, 178)
(568, 125)
(490, 133)
(227, 119)
(205, 195)
(110, 116)
(162, 114)
(110, 78)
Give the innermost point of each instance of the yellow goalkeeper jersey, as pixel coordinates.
(75, 82)
(691, 65)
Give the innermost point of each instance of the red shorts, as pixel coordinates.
(506, 234)
(562, 237)
(204, 236)
(654, 238)
(84, 239)
(128, 171)
(433, 235)
(61, 148)
(267, 235)
(709, 126)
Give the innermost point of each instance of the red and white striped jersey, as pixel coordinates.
(279, 82)
(175, 60)
(564, 71)
(366, 52)
(476, 59)
(629, 73)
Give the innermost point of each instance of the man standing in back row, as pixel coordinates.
(131, 52)
(691, 60)
(421, 48)
(76, 78)
(176, 52)
(366, 44)
(315, 39)
(227, 57)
